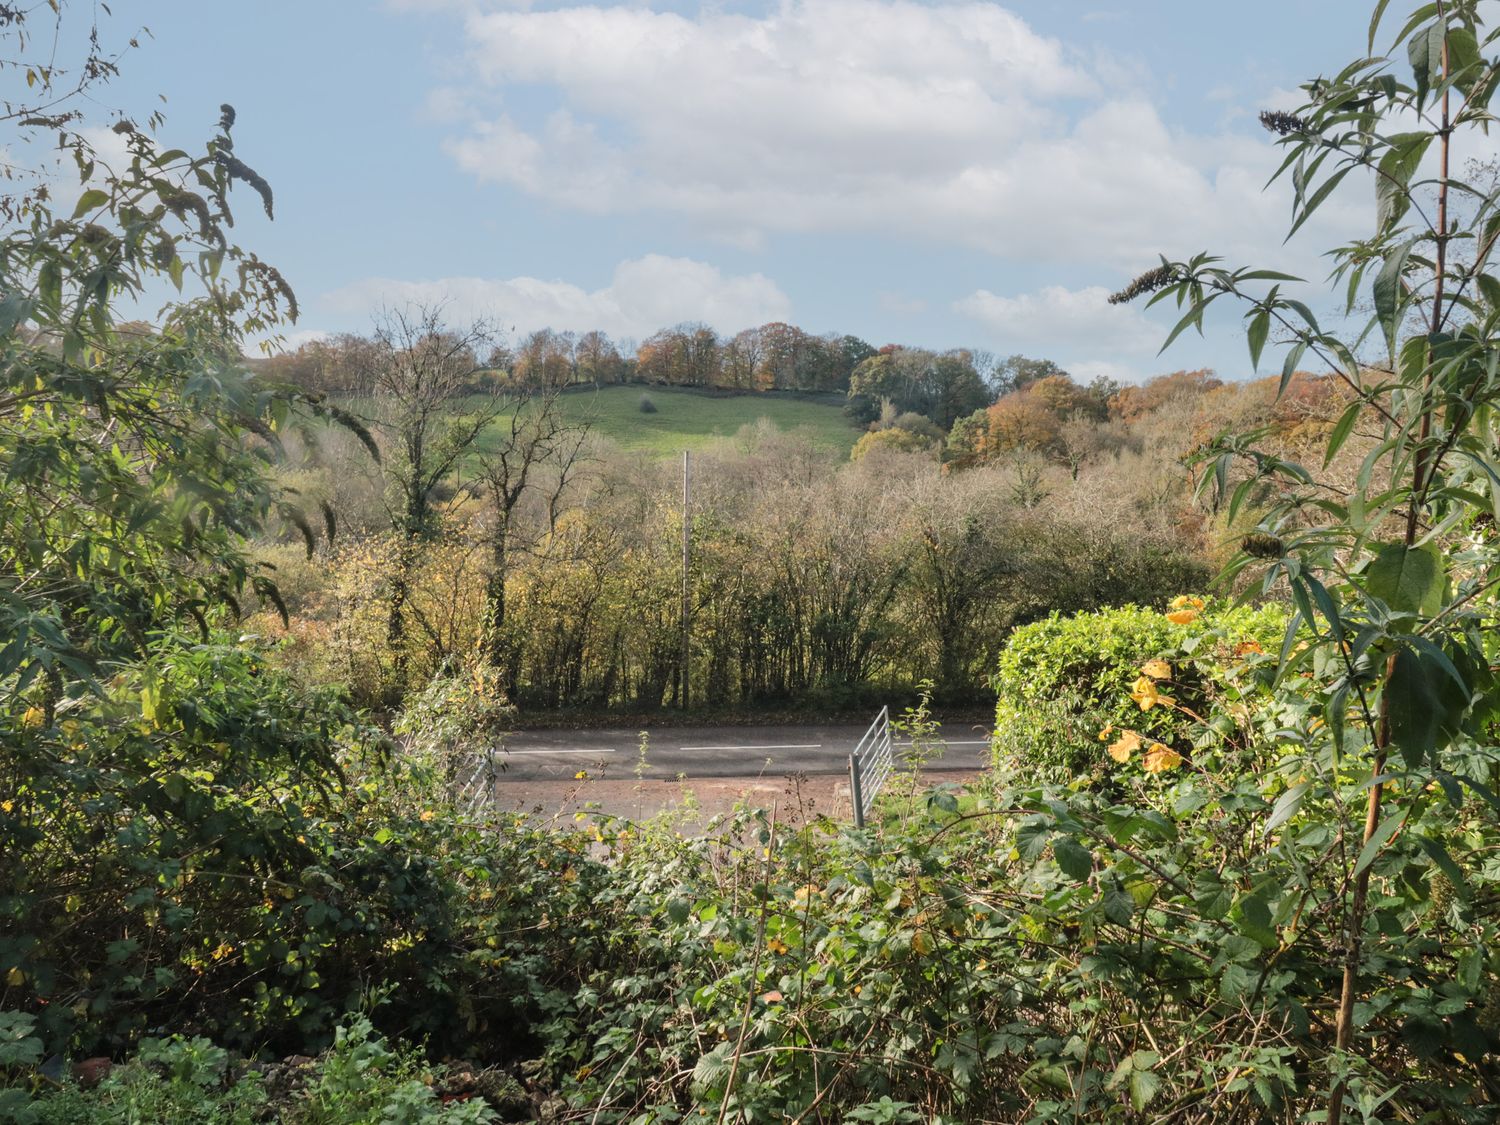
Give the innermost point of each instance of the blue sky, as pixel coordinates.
(940, 174)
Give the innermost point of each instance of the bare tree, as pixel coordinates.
(431, 408)
(534, 439)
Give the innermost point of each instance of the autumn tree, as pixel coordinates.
(1132, 403)
(1017, 372)
(421, 367)
(943, 387)
(744, 355)
(597, 359)
(545, 357)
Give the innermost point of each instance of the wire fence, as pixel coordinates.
(871, 765)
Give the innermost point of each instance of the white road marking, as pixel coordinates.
(601, 750)
(805, 746)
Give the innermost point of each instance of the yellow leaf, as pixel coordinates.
(1127, 744)
(1157, 669)
(1160, 758)
(1145, 694)
(921, 943)
(15, 978)
(33, 718)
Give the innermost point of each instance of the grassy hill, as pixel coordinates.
(687, 419)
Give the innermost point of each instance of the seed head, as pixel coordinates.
(1259, 546)
(1281, 123)
(1148, 282)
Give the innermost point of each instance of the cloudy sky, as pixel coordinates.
(941, 173)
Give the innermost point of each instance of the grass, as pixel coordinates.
(693, 420)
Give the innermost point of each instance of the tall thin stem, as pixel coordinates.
(1354, 936)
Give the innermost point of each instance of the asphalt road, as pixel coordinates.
(715, 751)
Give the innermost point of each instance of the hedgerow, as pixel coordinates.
(1063, 680)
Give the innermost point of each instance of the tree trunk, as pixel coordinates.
(496, 644)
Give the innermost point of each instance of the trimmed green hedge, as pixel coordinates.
(1064, 680)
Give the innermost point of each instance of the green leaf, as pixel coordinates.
(1318, 198)
(1489, 288)
(1378, 840)
(1393, 177)
(1260, 328)
(1143, 1087)
(1075, 861)
(1375, 24)
(1463, 53)
(1341, 431)
(1119, 906)
(1388, 291)
(1289, 367)
(89, 201)
(1287, 805)
(1407, 579)
(1425, 51)
(1425, 705)
(1253, 917)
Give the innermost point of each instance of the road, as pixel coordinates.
(690, 752)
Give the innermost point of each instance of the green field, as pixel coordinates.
(690, 420)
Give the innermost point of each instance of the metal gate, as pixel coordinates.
(871, 764)
(474, 785)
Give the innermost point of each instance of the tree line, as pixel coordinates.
(496, 531)
(942, 386)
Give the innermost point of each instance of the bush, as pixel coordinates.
(893, 441)
(861, 410)
(1064, 680)
(646, 405)
(190, 1081)
(211, 847)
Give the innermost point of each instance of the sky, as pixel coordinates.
(940, 174)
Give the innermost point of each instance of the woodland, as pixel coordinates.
(1236, 856)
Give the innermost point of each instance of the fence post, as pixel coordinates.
(856, 792)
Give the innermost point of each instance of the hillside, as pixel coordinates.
(690, 419)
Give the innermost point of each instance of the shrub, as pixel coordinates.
(861, 410)
(1064, 680)
(892, 440)
(646, 405)
(190, 1081)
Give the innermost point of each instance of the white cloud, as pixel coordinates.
(951, 121)
(1054, 317)
(1077, 327)
(644, 294)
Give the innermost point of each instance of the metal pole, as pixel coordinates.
(856, 792)
(687, 549)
